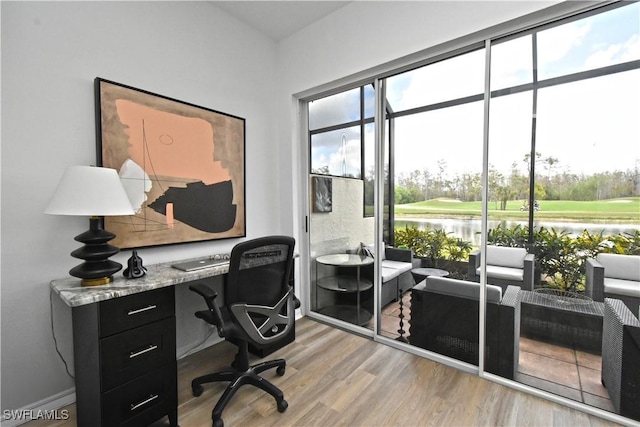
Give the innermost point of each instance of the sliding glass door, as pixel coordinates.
(466, 223)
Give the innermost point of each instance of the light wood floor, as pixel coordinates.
(335, 378)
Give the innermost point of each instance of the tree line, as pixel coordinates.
(549, 184)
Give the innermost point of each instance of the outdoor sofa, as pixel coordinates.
(445, 320)
(614, 276)
(396, 266)
(505, 266)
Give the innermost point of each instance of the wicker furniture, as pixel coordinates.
(562, 322)
(614, 276)
(445, 319)
(505, 266)
(396, 266)
(621, 358)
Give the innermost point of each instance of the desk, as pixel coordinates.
(124, 345)
(158, 276)
(124, 341)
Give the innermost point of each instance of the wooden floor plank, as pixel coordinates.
(334, 378)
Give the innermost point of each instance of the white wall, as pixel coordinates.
(51, 52)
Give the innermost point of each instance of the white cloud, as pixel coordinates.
(615, 53)
(555, 43)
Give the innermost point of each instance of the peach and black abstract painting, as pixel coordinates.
(182, 167)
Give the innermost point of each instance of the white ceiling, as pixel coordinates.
(279, 19)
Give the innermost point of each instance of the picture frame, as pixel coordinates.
(182, 166)
(322, 194)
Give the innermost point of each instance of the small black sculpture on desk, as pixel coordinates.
(134, 269)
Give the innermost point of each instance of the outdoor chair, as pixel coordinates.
(444, 319)
(505, 266)
(396, 264)
(621, 357)
(614, 276)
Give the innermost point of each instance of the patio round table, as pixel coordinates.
(419, 274)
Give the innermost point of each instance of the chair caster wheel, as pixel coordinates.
(282, 405)
(197, 390)
(218, 423)
(280, 370)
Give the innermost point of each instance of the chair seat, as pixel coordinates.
(402, 267)
(389, 273)
(621, 287)
(505, 273)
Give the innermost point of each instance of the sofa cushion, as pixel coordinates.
(625, 267)
(505, 256)
(505, 273)
(462, 288)
(629, 288)
(389, 274)
(397, 265)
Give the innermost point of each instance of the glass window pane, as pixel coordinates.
(337, 153)
(509, 158)
(446, 80)
(369, 101)
(591, 126)
(343, 107)
(369, 168)
(597, 41)
(511, 63)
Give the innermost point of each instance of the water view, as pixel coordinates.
(469, 229)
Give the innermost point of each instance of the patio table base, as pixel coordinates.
(574, 325)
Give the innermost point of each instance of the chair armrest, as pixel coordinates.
(509, 332)
(594, 286)
(474, 263)
(511, 297)
(398, 254)
(529, 272)
(213, 315)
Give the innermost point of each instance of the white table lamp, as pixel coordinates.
(93, 192)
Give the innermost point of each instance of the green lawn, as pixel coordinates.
(623, 210)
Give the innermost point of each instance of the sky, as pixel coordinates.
(589, 126)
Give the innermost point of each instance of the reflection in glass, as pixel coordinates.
(343, 107)
(337, 153)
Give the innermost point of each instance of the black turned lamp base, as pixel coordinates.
(96, 269)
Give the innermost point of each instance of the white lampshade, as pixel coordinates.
(90, 191)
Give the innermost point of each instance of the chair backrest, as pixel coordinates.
(258, 291)
(462, 289)
(619, 266)
(506, 256)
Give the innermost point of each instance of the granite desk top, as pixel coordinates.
(158, 276)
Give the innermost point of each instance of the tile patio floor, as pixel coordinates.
(560, 370)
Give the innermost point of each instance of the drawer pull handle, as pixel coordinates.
(141, 352)
(144, 402)
(142, 310)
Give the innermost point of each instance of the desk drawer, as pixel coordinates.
(143, 400)
(120, 314)
(136, 352)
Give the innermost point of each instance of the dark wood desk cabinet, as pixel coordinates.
(125, 360)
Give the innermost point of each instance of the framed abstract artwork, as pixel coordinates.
(322, 194)
(182, 166)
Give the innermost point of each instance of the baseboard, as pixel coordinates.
(46, 409)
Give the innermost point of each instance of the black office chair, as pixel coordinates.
(259, 309)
